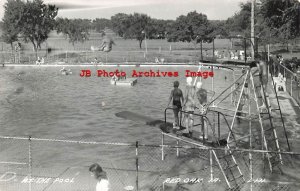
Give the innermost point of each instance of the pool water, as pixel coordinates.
(40, 102)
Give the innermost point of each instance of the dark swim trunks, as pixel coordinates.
(202, 96)
(177, 104)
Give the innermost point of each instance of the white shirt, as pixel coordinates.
(102, 185)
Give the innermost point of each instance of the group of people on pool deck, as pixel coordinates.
(192, 99)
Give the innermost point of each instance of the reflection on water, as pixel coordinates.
(42, 103)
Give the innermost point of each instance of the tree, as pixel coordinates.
(282, 17)
(240, 23)
(100, 24)
(136, 26)
(191, 28)
(76, 30)
(120, 23)
(36, 22)
(12, 21)
(218, 29)
(160, 28)
(140, 27)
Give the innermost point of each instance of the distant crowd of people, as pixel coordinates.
(40, 61)
(234, 55)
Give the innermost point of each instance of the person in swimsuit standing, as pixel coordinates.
(189, 106)
(177, 97)
(201, 95)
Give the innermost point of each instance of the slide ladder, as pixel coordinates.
(271, 143)
(230, 169)
(228, 164)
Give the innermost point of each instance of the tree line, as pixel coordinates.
(276, 21)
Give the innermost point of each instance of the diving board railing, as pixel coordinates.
(204, 118)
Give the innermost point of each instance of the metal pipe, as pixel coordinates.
(211, 165)
(225, 149)
(212, 84)
(137, 165)
(292, 85)
(238, 103)
(162, 146)
(252, 30)
(29, 161)
(177, 149)
(219, 132)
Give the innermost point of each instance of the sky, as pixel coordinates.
(160, 9)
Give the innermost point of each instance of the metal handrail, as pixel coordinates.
(205, 118)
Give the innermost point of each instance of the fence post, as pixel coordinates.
(66, 56)
(219, 131)
(162, 146)
(177, 149)
(292, 78)
(137, 164)
(203, 130)
(29, 160)
(211, 165)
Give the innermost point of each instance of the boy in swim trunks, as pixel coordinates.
(177, 97)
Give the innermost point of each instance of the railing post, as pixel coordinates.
(202, 128)
(219, 133)
(211, 165)
(162, 145)
(29, 161)
(137, 164)
(177, 149)
(292, 78)
(212, 85)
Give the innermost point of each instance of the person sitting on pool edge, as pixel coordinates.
(201, 95)
(177, 97)
(100, 175)
(189, 106)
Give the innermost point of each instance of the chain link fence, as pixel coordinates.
(48, 164)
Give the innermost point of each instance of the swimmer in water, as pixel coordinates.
(115, 79)
(177, 97)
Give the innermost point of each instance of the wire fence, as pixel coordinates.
(157, 54)
(48, 164)
(290, 79)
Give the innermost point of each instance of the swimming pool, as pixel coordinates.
(40, 102)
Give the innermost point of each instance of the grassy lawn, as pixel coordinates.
(124, 51)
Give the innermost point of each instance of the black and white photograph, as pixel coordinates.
(149, 95)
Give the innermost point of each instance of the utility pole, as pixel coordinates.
(252, 29)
